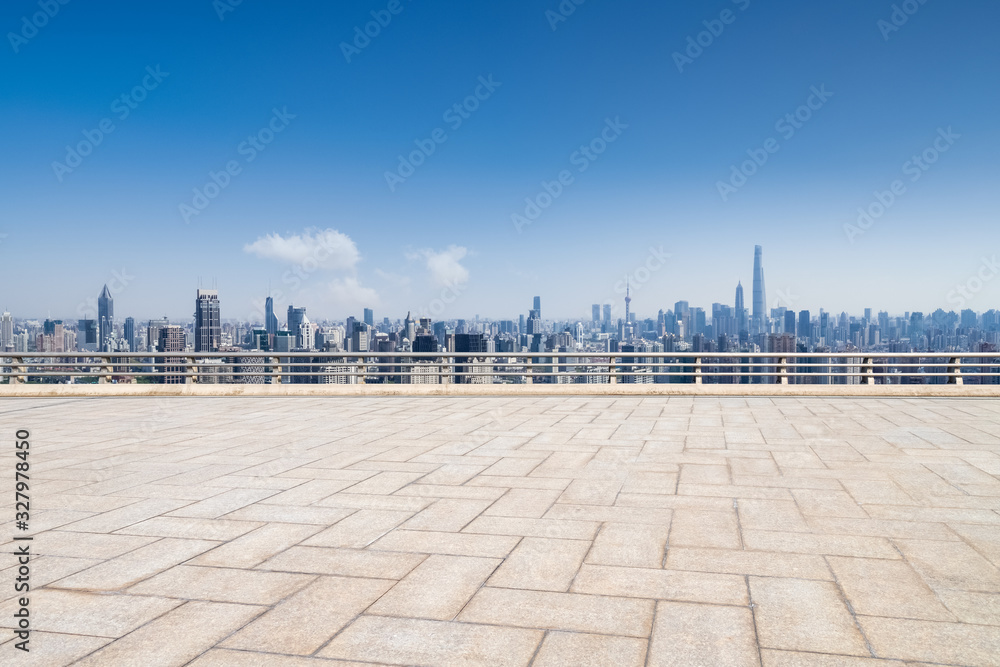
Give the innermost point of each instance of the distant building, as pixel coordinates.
(207, 322)
(105, 319)
(295, 317)
(369, 317)
(130, 333)
(759, 323)
(270, 321)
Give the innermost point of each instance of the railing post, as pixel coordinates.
(527, 371)
(189, 371)
(276, 370)
(782, 370)
(697, 370)
(955, 371)
(612, 371)
(104, 377)
(361, 368)
(16, 367)
(868, 369)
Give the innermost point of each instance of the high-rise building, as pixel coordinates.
(409, 328)
(105, 319)
(805, 325)
(596, 312)
(741, 310)
(207, 321)
(538, 306)
(171, 339)
(759, 322)
(369, 317)
(6, 332)
(295, 317)
(130, 333)
(628, 302)
(270, 320)
(606, 313)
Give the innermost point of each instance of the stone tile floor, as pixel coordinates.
(312, 532)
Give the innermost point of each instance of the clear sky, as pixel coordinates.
(309, 115)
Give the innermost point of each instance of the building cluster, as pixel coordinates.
(684, 328)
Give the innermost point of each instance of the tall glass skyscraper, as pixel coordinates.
(759, 323)
(270, 321)
(105, 319)
(207, 321)
(741, 309)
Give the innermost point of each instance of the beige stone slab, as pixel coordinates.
(444, 491)
(627, 617)
(113, 520)
(545, 483)
(308, 492)
(218, 657)
(882, 528)
(134, 566)
(447, 515)
(876, 492)
(50, 649)
(978, 608)
(887, 588)
(591, 492)
(564, 529)
(733, 491)
(361, 501)
(705, 474)
(814, 502)
(385, 483)
(306, 620)
(176, 637)
(630, 545)
(89, 545)
(702, 635)
(78, 502)
(603, 513)
(661, 584)
(256, 546)
(541, 564)
(934, 514)
(218, 584)
(453, 474)
(783, 515)
(358, 530)
(983, 538)
(791, 482)
(513, 467)
(44, 571)
(799, 615)
(312, 515)
(449, 544)
(829, 545)
(706, 504)
(224, 503)
(345, 562)
(762, 563)
(650, 482)
(582, 650)
(524, 503)
(927, 641)
(699, 528)
(221, 530)
(436, 589)
(951, 565)
(406, 641)
(774, 658)
(84, 613)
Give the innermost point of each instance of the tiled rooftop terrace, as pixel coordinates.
(590, 530)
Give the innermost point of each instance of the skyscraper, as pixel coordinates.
(741, 309)
(295, 316)
(759, 323)
(538, 306)
(105, 319)
(409, 328)
(270, 321)
(207, 321)
(596, 312)
(369, 317)
(628, 302)
(606, 313)
(130, 333)
(6, 332)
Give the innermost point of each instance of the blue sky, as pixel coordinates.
(312, 214)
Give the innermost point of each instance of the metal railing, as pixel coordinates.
(255, 367)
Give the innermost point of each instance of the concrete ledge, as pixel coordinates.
(873, 391)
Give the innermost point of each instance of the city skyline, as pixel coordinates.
(488, 171)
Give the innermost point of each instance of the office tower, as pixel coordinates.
(130, 333)
(360, 338)
(105, 319)
(628, 302)
(868, 314)
(607, 313)
(6, 332)
(596, 312)
(86, 335)
(153, 332)
(759, 323)
(306, 335)
(207, 321)
(270, 320)
(789, 321)
(52, 336)
(171, 339)
(295, 316)
(538, 306)
(369, 317)
(742, 324)
(520, 325)
(409, 327)
(805, 325)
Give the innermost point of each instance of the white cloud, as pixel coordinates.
(445, 266)
(314, 248)
(348, 292)
(393, 278)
